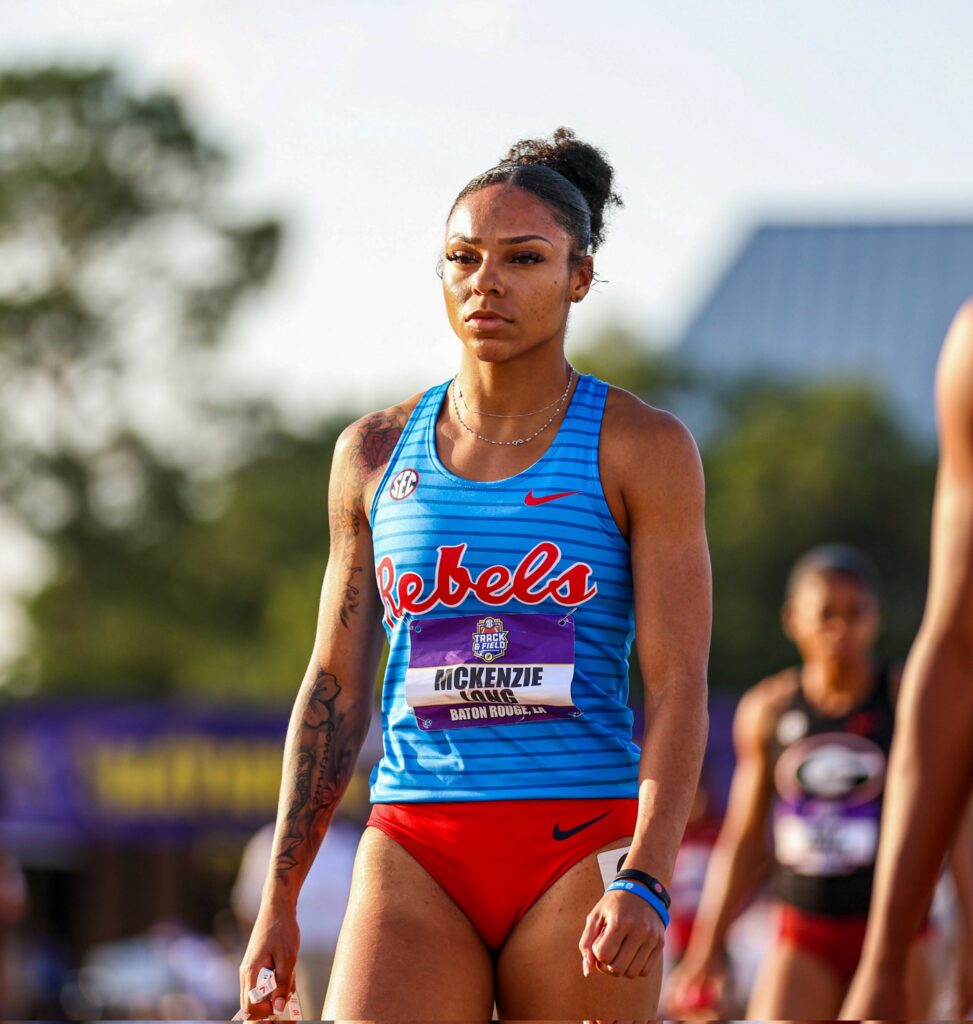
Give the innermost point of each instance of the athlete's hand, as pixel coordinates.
(695, 986)
(274, 943)
(623, 937)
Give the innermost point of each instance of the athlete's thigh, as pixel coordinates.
(794, 985)
(406, 951)
(539, 968)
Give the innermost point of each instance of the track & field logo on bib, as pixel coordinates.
(403, 484)
(490, 639)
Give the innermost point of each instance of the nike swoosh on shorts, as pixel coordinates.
(560, 833)
(531, 499)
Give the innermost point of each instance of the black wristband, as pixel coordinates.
(653, 884)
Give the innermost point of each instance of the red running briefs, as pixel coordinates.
(528, 844)
(837, 941)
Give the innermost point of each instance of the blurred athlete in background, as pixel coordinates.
(931, 773)
(512, 528)
(812, 746)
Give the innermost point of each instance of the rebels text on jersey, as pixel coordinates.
(533, 581)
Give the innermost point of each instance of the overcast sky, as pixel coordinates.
(359, 121)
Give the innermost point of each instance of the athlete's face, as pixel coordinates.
(508, 276)
(832, 619)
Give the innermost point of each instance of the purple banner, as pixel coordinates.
(85, 772)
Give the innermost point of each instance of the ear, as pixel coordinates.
(581, 278)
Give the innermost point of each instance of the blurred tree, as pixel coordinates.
(120, 266)
(119, 269)
(632, 362)
(221, 606)
(797, 466)
(787, 467)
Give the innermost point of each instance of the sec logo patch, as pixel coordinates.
(403, 484)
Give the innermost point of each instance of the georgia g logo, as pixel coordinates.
(403, 484)
(831, 766)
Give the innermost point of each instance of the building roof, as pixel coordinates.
(868, 301)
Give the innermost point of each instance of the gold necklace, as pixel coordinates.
(513, 415)
(517, 440)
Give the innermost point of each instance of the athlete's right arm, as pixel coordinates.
(740, 857)
(931, 764)
(333, 706)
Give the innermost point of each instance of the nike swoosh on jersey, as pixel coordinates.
(533, 499)
(560, 833)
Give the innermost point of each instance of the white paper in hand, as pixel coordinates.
(266, 983)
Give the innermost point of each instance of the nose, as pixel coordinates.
(487, 279)
(838, 627)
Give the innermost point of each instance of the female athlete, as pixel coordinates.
(812, 747)
(511, 529)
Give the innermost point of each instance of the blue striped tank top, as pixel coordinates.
(509, 613)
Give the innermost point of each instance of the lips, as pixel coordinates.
(483, 320)
(485, 314)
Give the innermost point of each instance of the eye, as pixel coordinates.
(528, 257)
(463, 258)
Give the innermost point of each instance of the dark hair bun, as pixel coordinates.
(582, 164)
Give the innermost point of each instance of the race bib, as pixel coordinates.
(832, 844)
(472, 670)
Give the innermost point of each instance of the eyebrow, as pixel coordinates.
(516, 240)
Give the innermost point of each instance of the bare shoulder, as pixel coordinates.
(364, 448)
(960, 333)
(632, 425)
(760, 708)
(648, 452)
(366, 445)
(954, 381)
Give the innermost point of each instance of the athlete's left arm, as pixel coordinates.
(656, 465)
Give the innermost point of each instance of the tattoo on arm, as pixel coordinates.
(329, 736)
(345, 526)
(328, 742)
(378, 444)
(352, 597)
(375, 443)
(377, 440)
(350, 521)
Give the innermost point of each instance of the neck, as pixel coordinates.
(516, 386)
(835, 686)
